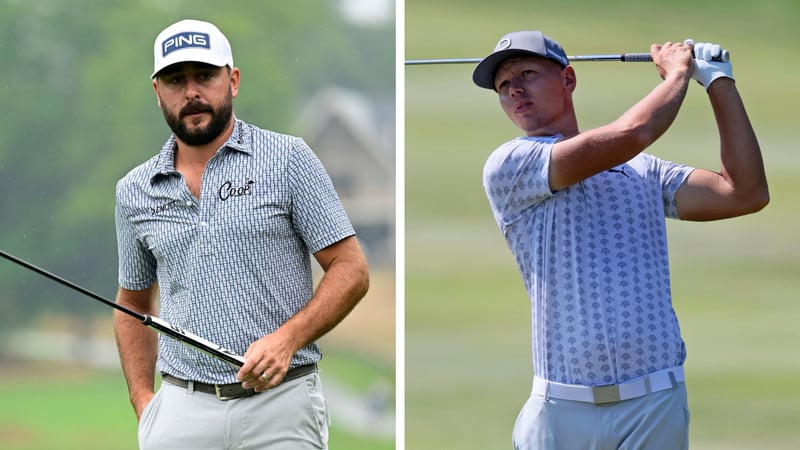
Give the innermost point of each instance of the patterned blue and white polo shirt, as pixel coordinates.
(594, 261)
(235, 264)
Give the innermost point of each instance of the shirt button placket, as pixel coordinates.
(205, 215)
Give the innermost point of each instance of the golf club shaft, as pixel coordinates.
(161, 326)
(627, 57)
(624, 57)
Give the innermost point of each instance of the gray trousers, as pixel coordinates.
(656, 421)
(292, 416)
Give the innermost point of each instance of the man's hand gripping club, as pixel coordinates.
(267, 361)
(706, 68)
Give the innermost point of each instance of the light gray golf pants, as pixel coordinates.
(656, 421)
(292, 416)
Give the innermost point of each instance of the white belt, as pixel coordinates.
(654, 382)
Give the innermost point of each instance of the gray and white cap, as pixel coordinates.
(518, 43)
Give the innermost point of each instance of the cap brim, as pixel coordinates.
(189, 55)
(485, 71)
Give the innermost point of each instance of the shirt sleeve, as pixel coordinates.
(516, 178)
(672, 176)
(317, 212)
(137, 265)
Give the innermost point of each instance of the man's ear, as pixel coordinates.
(155, 89)
(235, 78)
(570, 80)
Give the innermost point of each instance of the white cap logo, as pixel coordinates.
(503, 44)
(184, 40)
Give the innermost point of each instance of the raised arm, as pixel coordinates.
(593, 151)
(740, 187)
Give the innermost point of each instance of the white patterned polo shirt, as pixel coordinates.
(235, 264)
(593, 258)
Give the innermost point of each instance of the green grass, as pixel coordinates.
(90, 410)
(735, 283)
(47, 411)
(357, 372)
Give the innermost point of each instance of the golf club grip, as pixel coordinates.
(636, 57)
(192, 340)
(724, 56)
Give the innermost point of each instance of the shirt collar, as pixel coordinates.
(238, 140)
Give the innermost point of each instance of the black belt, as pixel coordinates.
(235, 390)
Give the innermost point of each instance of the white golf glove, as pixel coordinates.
(706, 70)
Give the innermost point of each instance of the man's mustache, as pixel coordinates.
(194, 108)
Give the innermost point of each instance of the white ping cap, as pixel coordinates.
(191, 40)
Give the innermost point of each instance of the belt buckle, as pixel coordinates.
(219, 394)
(605, 394)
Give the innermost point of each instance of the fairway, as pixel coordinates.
(734, 283)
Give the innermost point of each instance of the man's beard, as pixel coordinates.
(200, 136)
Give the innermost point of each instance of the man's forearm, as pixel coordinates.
(657, 111)
(740, 153)
(345, 282)
(339, 291)
(138, 349)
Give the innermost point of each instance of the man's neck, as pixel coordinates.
(565, 125)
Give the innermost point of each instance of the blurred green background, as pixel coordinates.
(735, 282)
(78, 111)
